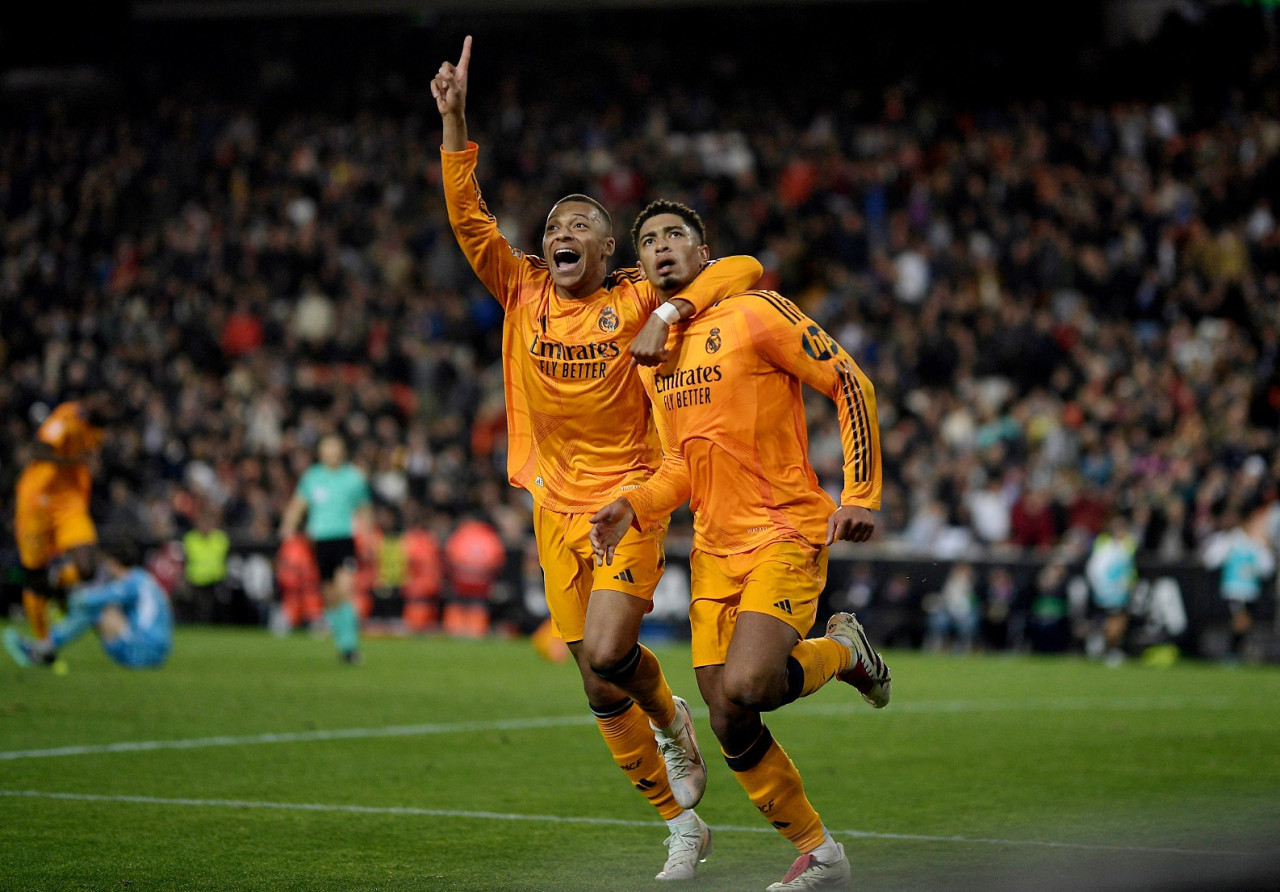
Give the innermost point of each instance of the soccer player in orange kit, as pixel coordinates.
(52, 525)
(728, 405)
(580, 433)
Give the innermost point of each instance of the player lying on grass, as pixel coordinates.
(130, 612)
(728, 405)
(581, 432)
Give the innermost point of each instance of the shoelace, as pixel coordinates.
(684, 841)
(677, 769)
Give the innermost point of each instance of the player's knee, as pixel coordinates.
(752, 690)
(612, 661)
(600, 693)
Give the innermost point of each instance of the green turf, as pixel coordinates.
(975, 760)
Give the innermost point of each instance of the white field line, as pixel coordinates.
(135, 746)
(925, 707)
(409, 811)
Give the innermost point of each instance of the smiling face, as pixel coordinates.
(577, 245)
(671, 252)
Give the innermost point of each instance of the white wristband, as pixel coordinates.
(668, 313)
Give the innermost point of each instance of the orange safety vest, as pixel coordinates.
(423, 581)
(298, 578)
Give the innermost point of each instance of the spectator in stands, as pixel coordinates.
(1003, 624)
(1048, 622)
(952, 615)
(1031, 520)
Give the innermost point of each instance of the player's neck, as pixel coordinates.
(581, 292)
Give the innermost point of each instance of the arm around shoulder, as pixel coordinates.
(719, 279)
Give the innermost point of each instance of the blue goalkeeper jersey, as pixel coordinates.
(149, 636)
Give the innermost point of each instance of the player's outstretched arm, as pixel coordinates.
(449, 87)
(608, 526)
(118, 592)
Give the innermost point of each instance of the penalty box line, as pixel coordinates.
(923, 707)
(410, 811)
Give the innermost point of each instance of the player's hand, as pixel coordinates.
(850, 523)
(649, 347)
(449, 86)
(608, 526)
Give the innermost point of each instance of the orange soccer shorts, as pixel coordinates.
(569, 569)
(50, 522)
(782, 579)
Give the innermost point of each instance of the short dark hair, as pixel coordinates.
(585, 199)
(662, 206)
(123, 550)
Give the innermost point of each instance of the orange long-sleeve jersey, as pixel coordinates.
(578, 425)
(71, 437)
(729, 408)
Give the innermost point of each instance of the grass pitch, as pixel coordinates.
(251, 762)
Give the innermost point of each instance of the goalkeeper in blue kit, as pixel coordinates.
(130, 612)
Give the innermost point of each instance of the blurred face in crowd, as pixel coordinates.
(332, 451)
(671, 252)
(577, 245)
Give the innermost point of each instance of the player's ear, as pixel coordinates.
(609, 244)
(705, 253)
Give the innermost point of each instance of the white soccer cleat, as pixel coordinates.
(868, 673)
(809, 873)
(687, 846)
(686, 772)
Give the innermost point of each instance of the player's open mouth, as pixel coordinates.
(665, 266)
(565, 259)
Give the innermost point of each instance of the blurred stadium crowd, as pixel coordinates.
(1069, 307)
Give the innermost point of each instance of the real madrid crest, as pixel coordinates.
(608, 320)
(713, 340)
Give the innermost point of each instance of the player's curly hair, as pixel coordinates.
(662, 206)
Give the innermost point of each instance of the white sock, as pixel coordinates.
(674, 728)
(826, 852)
(684, 818)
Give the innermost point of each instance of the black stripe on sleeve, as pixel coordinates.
(856, 401)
